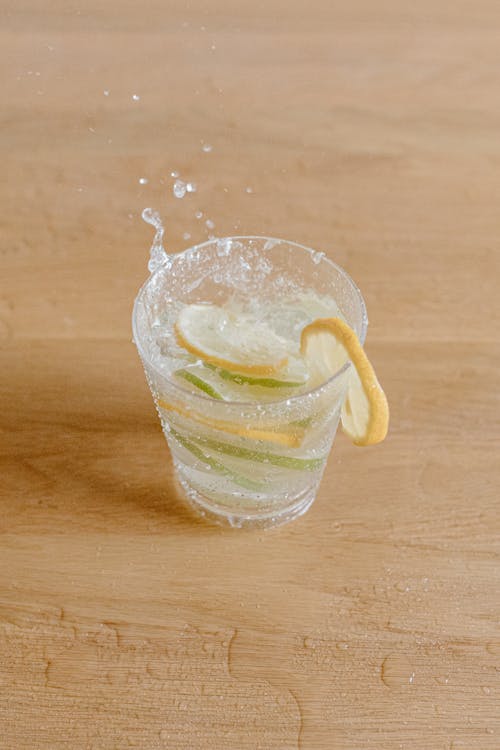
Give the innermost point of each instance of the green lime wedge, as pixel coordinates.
(219, 468)
(235, 377)
(303, 422)
(198, 383)
(287, 462)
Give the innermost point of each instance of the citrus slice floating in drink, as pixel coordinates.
(290, 436)
(326, 345)
(237, 343)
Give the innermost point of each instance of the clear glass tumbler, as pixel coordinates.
(244, 463)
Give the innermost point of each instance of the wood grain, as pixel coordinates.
(370, 131)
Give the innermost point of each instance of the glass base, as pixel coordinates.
(205, 507)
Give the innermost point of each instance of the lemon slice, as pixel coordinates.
(291, 438)
(326, 345)
(237, 343)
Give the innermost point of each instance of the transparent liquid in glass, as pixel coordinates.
(248, 450)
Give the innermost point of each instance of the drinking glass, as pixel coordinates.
(253, 462)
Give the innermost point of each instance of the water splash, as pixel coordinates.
(157, 254)
(179, 189)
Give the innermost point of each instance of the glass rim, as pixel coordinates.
(230, 403)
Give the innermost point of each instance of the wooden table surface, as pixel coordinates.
(370, 131)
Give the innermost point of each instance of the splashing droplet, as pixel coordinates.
(206, 148)
(190, 187)
(143, 181)
(157, 255)
(179, 189)
(136, 97)
(106, 92)
(186, 236)
(249, 189)
(209, 224)
(199, 214)
(224, 247)
(174, 173)
(317, 257)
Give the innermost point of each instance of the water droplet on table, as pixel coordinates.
(209, 224)
(199, 214)
(397, 671)
(442, 679)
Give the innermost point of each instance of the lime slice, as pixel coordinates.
(298, 370)
(238, 343)
(190, 377)
(327, 344)
(215, 465)
(287, 462)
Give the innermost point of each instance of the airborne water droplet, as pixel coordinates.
(179, 189)
(157, 254)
